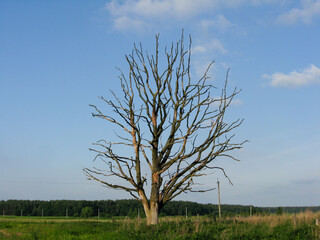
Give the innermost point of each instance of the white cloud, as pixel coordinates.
(308, 76)
(236, 102)
(213, 46)
(144, 12)
(220, 23)
(310, 9)
(125, 23)
(200, 66)
(204, 52)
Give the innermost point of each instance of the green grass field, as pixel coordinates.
(301, 226)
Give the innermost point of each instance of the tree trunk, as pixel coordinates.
(152, 214)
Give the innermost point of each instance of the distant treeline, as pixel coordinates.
(131, 208)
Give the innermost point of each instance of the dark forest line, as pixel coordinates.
(131, 208)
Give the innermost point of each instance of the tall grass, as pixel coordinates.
(299, 226)
(273, 220)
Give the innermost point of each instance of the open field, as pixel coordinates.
(300, 226)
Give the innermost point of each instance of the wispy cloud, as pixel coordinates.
(124, 23)
(310, 9)
(142, 11)
(220, 23)
(308, 76)
(312, 181)
(237, 102)
(127, 14)
(213, 46)
(204, 54)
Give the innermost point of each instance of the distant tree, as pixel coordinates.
(86, 212)
(279, 211)
(173, 128)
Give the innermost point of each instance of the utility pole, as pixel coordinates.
(98, 213)
(219, 198)
(250, 210)
(186, 212)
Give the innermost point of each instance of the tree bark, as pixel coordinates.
(152, 214)
(147, 212)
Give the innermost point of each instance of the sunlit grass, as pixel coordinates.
(286, 226)
(273, 219)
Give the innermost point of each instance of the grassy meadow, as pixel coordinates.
(286, 226)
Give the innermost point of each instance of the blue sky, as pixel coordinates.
(57, 57)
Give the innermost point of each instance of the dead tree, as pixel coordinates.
(172, 128)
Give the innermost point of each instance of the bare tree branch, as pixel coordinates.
(174, 127)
